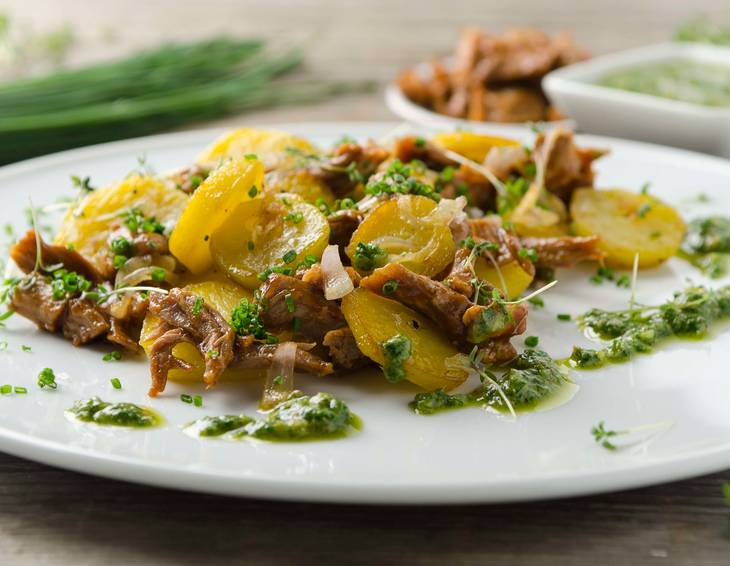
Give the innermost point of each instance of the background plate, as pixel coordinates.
(462, 456)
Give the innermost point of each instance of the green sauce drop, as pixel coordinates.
(301, 417)
(94, 410)
(689, 314)
(532, 379)
(706, 245)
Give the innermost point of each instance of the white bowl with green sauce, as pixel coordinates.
(674, 94)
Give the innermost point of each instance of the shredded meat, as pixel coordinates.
(564, 251)
(334, 172)
(286, 298)
(23, 253)
(34, 301)
(494, 77)
(409, 148)
(567, 166)
(343, 349)
(461, 319)
(83, 321)
(251, 354)
(490, 229)
(343, 224)
(183, 322)
(498, 352)
(460, 276)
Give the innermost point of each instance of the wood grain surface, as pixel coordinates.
(51, 516)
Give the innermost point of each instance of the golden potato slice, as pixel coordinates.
(298, 182)
(268, 232)
(628, 223)
(514, 279)
(223, 295)
(374, 319)
(235, 181)
(86, 226)
(470, 145)
(409, 233)
(270, 146)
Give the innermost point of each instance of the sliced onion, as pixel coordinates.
(280, 377)
(140, 268)
(336, 281)
(368, 203)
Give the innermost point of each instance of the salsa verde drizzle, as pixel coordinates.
(301, 417)
(532, 377)
(688, 314)
(94, 410)
(706, 245)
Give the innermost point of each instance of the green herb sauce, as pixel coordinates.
(706, 245)
(301, 417)
(685, 80)
(94, 410)
(532, 378)
(396, 349)
(689, 314)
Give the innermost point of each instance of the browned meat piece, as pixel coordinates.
(460, 277)
(518, 54)
(23, 253)
(34, 301)
(343, 224)
(564, 251)
(453, 312)
(498, 352)
(250, 354)
(512, 104)
(567, 167)
(286, 298)
(161, 358)
(336, 172)
(83, 321)
(190, 178)
(431, 298)
(118, 335)
(343, 349)
(149, 243)
(409, 148)
(202, 326)
(490, 229)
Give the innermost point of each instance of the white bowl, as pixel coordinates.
(614, 112)
(403, 107)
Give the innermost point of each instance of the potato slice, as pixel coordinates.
(275, 227)
(513, 281)
(212, 202)
(299, 182)
(628, 223)
(220, 293)
(470, 145)
(270, 146)
(86, 226)
(374, 319)
(409, 232)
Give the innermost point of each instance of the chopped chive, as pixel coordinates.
(251, 246)
(6, 389)
(390, 287)
(537, 302)
(250, 157)
(644, 209)
(20, 390)
(253, 191)
(198, 401)
(563, 316)
(528, 253)
(289, 256)
(289, 300)
(531, 341)
(185, 398)
(296, 324)
(158, 274)
(26, 348)
(116, 383)
(46, 378)
(113, 355)
(198, 305)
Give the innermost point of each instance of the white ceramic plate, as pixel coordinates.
(462, 456)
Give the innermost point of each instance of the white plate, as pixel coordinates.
(610, 111)
(462, 456)
(403, 107)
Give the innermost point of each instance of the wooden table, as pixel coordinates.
(50, 516)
